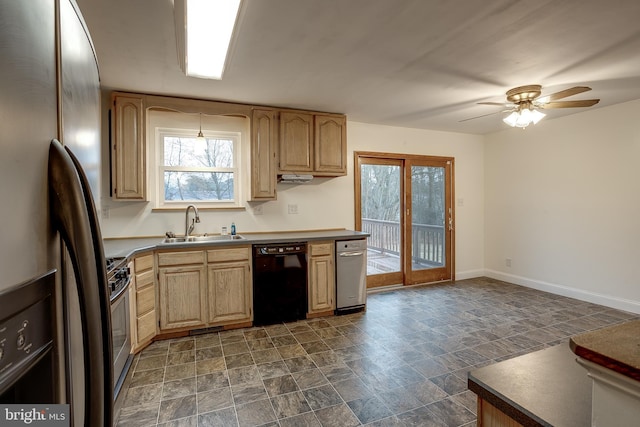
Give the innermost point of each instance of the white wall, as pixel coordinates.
(329, 202)
(562, 201)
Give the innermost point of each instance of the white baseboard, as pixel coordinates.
(470, 274)
(593, 297)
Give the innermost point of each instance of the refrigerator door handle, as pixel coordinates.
(74, 215)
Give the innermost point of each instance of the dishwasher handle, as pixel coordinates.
(350, 254)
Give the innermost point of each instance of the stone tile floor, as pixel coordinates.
(402, 363)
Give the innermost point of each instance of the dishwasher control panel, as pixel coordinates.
(351, 245)
(277, 249)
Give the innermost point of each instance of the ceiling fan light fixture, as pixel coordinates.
(523, 117)
(525, 101)
(511, 119)
(536, 116)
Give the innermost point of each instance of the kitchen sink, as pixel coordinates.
(214, 238)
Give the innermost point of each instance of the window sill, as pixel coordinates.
(200, 208)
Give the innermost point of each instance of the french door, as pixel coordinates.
(405, 203)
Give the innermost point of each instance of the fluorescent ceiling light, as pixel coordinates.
(208, 27)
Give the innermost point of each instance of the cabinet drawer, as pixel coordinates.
(317, 249)
(144, 279)
(229, 254)
(146, 326)
(145, 300)
(180, 258)
(144, 263)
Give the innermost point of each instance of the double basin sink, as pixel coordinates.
(214, 238)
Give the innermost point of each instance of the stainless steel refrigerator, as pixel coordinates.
(50, 192)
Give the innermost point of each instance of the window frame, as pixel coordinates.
(235, 136)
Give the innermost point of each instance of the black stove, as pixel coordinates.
(117, 275)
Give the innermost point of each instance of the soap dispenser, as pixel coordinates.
(233, 228)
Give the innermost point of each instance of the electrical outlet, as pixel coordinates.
(105, 212)
(293, 209)
(507, 262)
(257, 210)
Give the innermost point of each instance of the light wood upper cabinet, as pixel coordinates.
(182, 281)
(263, 154)
(313, 143)
(296, 142)
(143, 302)
(229, 285)
(322, 282)
(330, 144)
(128, 165)
(282, 141)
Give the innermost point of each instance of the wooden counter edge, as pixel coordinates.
(603, 360)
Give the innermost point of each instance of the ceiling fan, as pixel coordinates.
(524, 103)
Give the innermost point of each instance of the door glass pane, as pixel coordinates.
(381, 201)
(428, 217)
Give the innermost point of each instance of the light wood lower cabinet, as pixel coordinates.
(229, 285)
(182, 281)
(142, 292)
(205, 288)
(322, 282)
(490, 416)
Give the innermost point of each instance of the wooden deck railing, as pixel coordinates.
(428, 240)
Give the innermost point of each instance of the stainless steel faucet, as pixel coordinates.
(188, 228)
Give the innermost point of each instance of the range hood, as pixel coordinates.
(295, 179)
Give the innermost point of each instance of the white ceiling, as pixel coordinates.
(412, 63)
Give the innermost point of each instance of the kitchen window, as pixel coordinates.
(203, 171)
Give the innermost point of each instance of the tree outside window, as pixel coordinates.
(199, 169)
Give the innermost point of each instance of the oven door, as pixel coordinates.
(121, 337)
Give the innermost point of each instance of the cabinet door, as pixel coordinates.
(296, 142)
(230, 292)
(263, 155)
(143, 313)
(330, 145)
(183, 301)
(128, 148)
(321, 284)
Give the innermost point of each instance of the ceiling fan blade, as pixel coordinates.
(571, 104)
(501, 104)
(484, 115)
(563, 94)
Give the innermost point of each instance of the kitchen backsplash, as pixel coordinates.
(322, 204)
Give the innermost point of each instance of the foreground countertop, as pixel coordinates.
(544, 388)
(616, 347)
(127, 247)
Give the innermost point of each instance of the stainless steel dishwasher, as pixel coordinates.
(351, 275)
